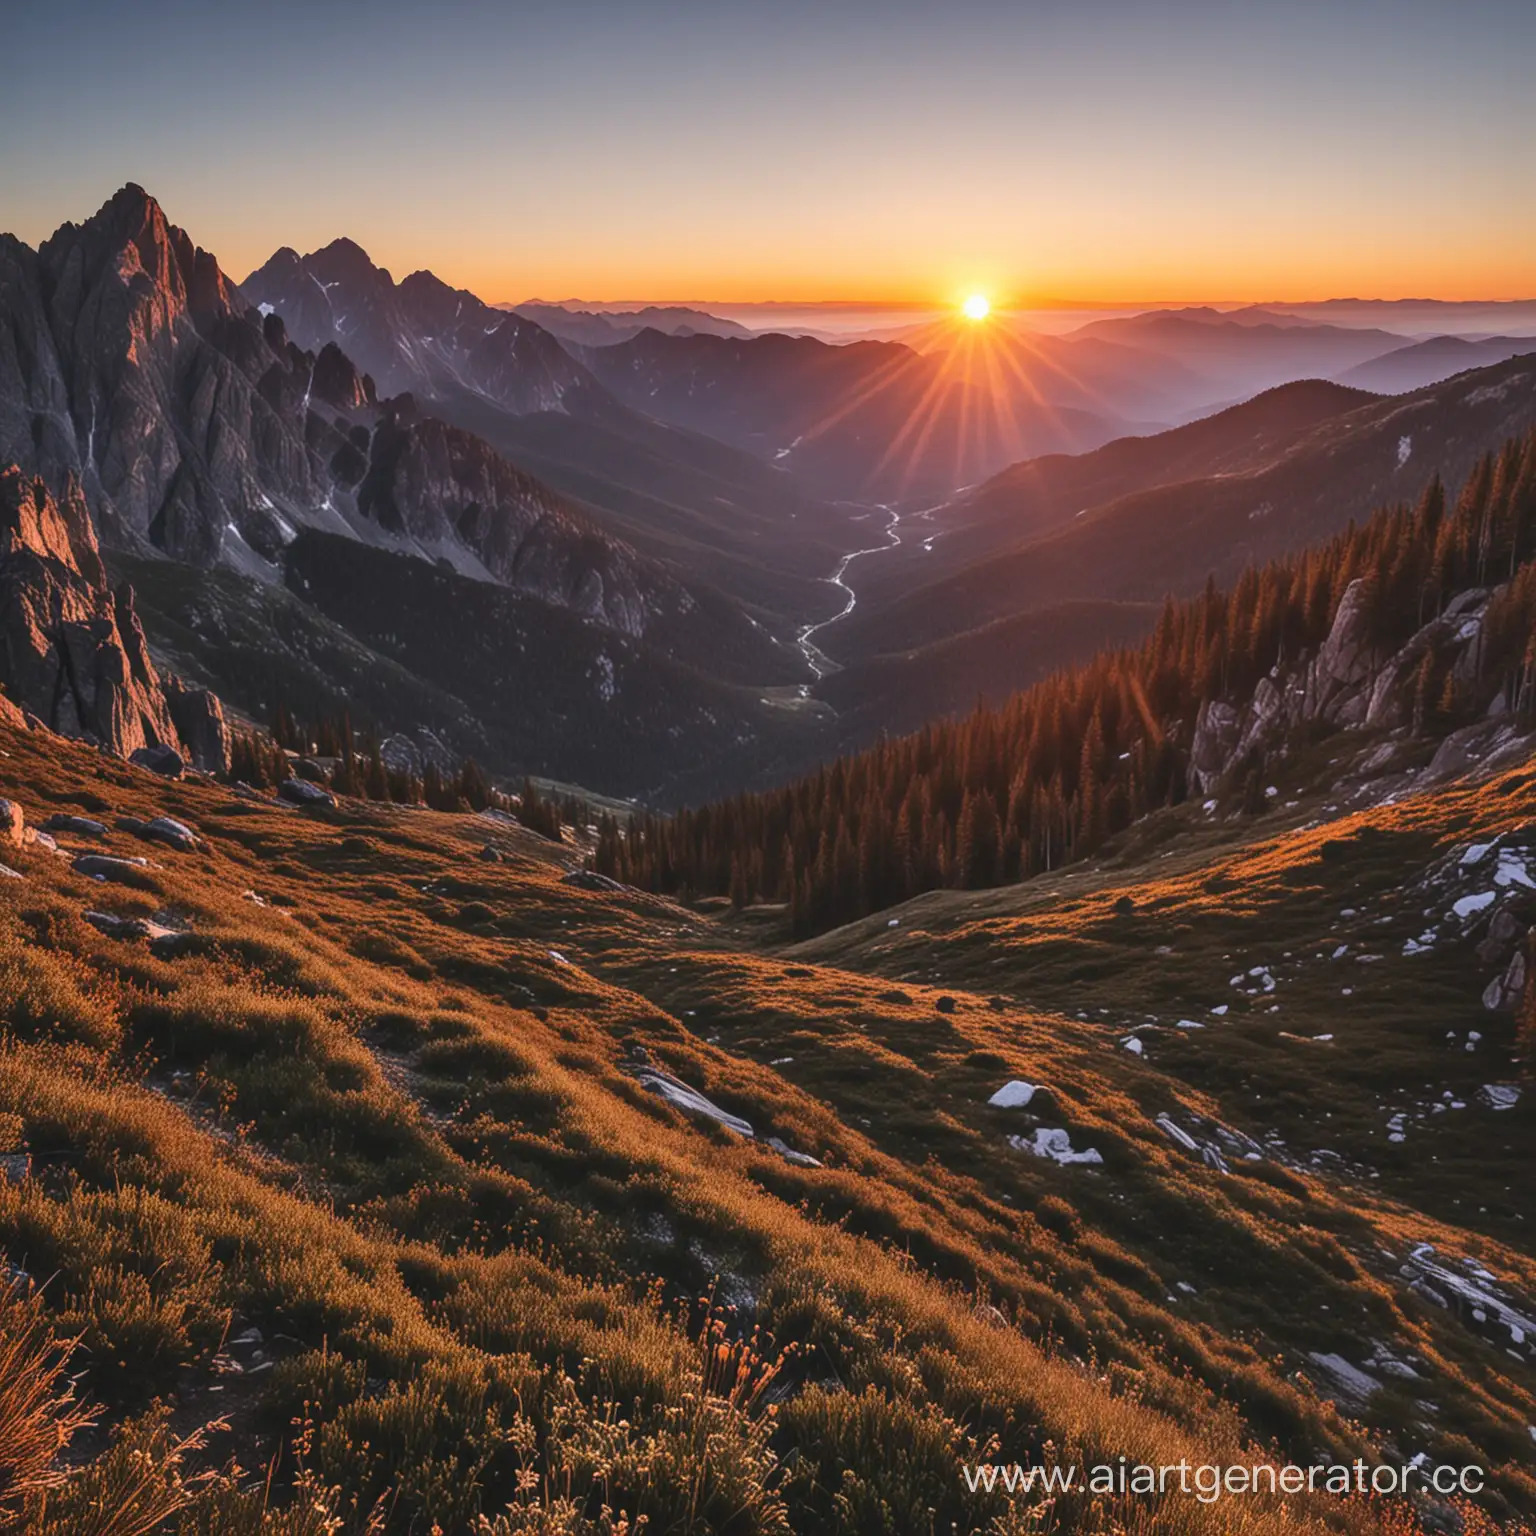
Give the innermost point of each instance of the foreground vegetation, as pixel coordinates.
(334, 1190)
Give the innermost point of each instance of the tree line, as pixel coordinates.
(331, 753)
(1051, 774)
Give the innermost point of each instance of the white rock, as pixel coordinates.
(788, 1153)
(1055, 1144)
(689, 1100)
(1351, 1381)
(1013, 1095)
(1176, 1133)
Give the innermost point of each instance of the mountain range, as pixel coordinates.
(1147, 517)
(314, 478)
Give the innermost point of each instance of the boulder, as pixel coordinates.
(1346, 660)
(590, 880)
(166, 829)
(127, 927)
(13, 823)
(411, 754)
(104, 866)
(166, 943)
(302, 792)
(1506, 990)
(166, 761)
(162, 829)
(1217, 728)
(199, 720)
(401, 755)
(81, 826)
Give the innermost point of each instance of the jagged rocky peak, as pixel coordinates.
(131, 246)
(344, 260)
(130, 361)
(72, 651)
(432, 302)
(421, 335)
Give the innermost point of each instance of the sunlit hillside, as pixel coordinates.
(341, 1131)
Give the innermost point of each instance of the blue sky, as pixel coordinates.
(1093, 150)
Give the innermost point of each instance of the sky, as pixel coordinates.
(1078, 152)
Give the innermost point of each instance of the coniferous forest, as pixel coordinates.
(1048, 776)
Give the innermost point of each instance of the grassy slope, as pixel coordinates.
(381, 1115)
(1316, 1070)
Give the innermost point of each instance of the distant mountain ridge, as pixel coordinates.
(871, 421)
(1238, 354)
(603, 328)
(1426, 362)
(1168, 524)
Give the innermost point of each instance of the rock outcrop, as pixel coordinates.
(1349, 683)
(72, 651)
(132, 363)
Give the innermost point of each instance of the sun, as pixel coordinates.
(977, 307)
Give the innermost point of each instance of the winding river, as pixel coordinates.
(815, 658)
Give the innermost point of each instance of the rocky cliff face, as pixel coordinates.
(72, 652)
(447, 491)
(1348, 683)
(199, 719)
